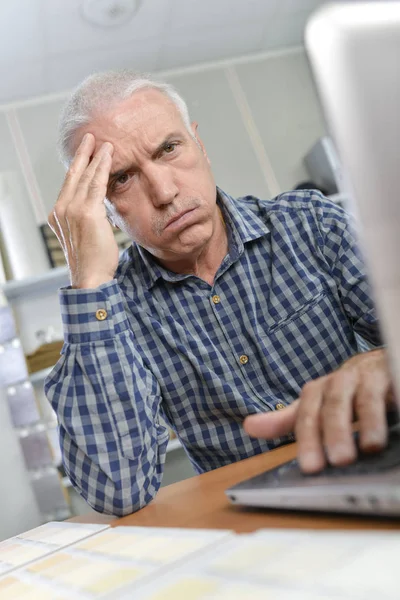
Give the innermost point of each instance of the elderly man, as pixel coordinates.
(220, 309)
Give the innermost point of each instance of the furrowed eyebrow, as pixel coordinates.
(170, 138)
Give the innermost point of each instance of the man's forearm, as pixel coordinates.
(107, 404)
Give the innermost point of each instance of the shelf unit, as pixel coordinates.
(48, 282)
(32, 430)
(39, 376)
(41, 477)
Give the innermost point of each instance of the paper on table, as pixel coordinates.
(117, 559)
(182, 564)
(41, 541)
(289, 565)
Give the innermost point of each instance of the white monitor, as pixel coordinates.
(354, 51)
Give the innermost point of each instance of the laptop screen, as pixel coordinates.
(353, 49)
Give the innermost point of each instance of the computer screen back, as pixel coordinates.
(354, 49)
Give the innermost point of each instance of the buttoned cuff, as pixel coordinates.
(93, 315)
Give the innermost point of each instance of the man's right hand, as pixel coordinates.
(79, 217)
(322, 417)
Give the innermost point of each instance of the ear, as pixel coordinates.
(194, 127)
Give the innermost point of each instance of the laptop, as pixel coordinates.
(354, 48)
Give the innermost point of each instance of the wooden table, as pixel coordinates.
(200, 502)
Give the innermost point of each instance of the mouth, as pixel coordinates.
(180, 219)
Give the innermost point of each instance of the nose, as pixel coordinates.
(162, 187)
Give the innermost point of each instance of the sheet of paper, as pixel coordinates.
(289, 565)
(41, 541)
(14, 588)
(182, 564)
(116, 560)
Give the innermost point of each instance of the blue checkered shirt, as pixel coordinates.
(286, 306)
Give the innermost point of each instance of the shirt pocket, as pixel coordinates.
(282, 306)
(307, 306)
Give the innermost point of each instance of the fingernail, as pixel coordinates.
(310, 462)
(374, 436)
(373, 439)
(341, 454)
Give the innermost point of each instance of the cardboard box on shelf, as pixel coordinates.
(45, 356)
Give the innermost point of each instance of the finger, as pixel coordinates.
(99, 183)
(85, 192)
(272, 425)
(310, 452)
(337, 416)
(78, 166)
(95, 178)
(71, 181)
(370, 404)
(92, 187)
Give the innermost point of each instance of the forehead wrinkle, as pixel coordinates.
(139, 126)
(152, 151)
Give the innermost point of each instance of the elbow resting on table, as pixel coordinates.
(119, 506)
(119, 498)
(123, 507)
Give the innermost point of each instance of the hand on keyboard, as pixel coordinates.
(322, 417)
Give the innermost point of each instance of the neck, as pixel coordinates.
(205, 263)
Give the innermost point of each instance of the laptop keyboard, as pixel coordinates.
(365, 464)
(372, 463)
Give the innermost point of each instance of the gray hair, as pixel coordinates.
(97, 92)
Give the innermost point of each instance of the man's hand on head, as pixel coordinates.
(322, 417)
(79, 217)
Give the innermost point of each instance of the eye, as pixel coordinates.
(170, 147)
(122, 179)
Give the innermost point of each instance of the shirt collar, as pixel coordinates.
(242, 224)
(242, 221)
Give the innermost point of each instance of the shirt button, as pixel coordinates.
(280, 406)
(244, 359)
(101, 314)
(216, 299)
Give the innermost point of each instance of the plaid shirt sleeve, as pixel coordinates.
(113, 449)
(340, 248)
